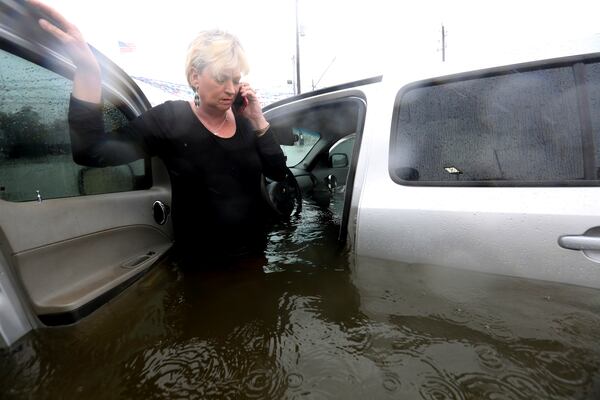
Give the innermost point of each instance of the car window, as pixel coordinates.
(35, 152)
(592, 78)
(526, 127)
(305, 140)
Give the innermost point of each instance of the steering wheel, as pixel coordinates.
(284, 197)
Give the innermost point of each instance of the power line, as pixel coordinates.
(314, 86)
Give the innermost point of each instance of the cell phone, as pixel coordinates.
(239, 104)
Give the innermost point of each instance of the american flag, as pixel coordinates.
(126, 47)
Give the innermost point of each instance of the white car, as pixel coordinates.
(494, 170)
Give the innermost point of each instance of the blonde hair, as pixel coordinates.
(219, 50)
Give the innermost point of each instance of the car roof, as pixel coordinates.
(397, 75)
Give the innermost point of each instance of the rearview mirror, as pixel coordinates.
(283, 135)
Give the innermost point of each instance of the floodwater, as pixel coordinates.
(312, 322)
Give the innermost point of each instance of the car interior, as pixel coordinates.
(318, 142)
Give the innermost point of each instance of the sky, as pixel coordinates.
(340, 40)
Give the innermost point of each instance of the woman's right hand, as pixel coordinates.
(68, 34)
(86, 81)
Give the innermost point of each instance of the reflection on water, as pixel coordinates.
(313, 323)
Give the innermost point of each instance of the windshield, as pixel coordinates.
(304, 141)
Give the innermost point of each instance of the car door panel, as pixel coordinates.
(489, 233)
(69, 252)
(90, 249)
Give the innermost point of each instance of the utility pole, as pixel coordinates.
(443, 43)
(298, 90)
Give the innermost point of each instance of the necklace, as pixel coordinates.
(217, 129)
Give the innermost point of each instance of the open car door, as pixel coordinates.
(70, 237)
(320, 133)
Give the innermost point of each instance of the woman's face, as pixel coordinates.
(217, 90)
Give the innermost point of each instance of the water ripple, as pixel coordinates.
(261, 384)
(412, 342)
(440, 388)
(487, 387)
(182, 365)
(523, 384)
(391, 382)
(578, 326)
(562, 369)
(294, 380)
(360, 339)
(489, 357)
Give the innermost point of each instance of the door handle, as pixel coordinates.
(579, 242)
(161, 212)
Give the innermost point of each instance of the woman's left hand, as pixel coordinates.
(253, 109)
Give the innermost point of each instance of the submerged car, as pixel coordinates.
(494, 170)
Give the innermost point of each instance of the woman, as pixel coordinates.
(214, 156)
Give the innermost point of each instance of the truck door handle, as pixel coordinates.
(579, 242)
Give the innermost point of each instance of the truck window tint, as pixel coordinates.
(510, 128)
(35, 152)
(592, 78)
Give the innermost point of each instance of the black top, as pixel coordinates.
(217, 202)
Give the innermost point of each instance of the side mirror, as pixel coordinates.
(338, 160)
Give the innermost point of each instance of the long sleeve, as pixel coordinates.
(92, 146)
(272, 157)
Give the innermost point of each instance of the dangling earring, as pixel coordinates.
(196, 98)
